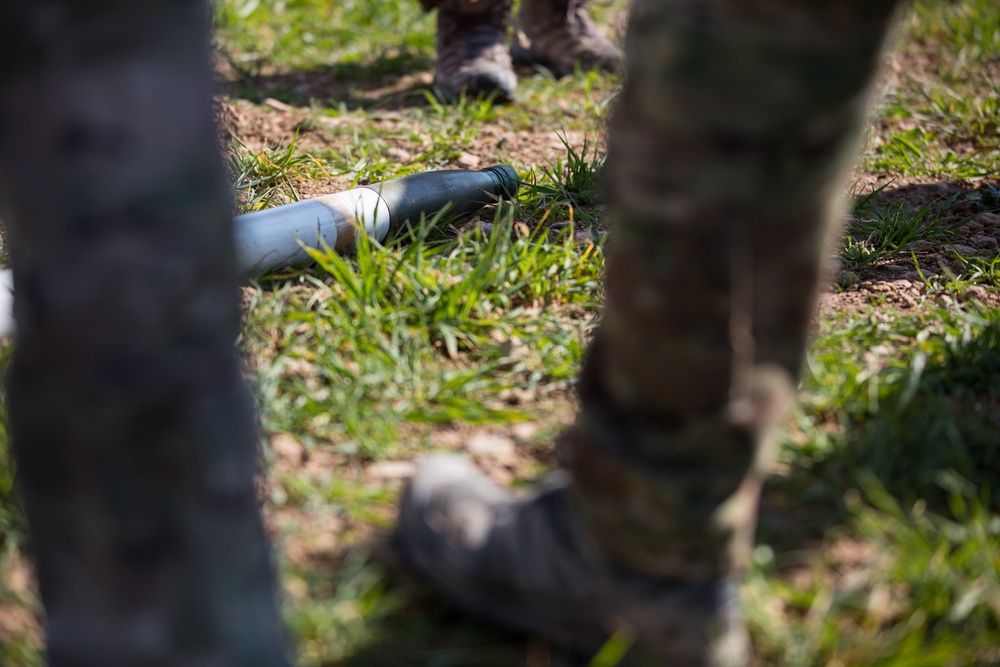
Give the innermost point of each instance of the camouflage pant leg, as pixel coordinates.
(726, 151)
(131, 427)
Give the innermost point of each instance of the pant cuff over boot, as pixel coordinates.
(675, 500)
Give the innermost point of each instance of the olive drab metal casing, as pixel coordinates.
(279, 236)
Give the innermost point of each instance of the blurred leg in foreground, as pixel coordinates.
(727, 152)
(132, 429)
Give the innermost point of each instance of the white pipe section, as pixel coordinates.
(7, 326)
(276, 237)
(279, 236)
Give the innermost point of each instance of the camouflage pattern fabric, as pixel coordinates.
(133, 433)
(727, 150)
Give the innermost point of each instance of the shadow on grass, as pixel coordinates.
(939, 224)
(386, 82)
(947, 419)
(425, 631)
(941, 418)
(401, 622)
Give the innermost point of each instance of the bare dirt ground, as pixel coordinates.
(276, 124)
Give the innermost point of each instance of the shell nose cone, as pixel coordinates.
(507, 177)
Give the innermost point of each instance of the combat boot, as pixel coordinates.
(528, 562)
(627, 542)
(472, 52)
(560, 35)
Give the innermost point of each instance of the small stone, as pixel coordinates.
(334, 121)
(513, 352)
(524, 430)
(963, 250)
(390, 470)
(880, 286)
(399, 155)
(278, 105)
(450, 439)
(299, 367)
(989, 220)
(288, 448)
(485, 229)
(975, 292)
(492, 446)
(468, 160)
(986, 242)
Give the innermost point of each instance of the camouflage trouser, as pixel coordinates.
(133, 432)
(727, 150)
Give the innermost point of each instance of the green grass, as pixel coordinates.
(879, 541)
(941, 120)
(350, 38)
(880, 230)
(925, 591)
(421, 333)
(895, 450)
(265, 178)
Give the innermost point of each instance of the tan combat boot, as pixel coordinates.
(559, 35)
(472, 52)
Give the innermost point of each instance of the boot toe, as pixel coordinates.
(498, 82)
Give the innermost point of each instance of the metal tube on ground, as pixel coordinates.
(266, 240)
